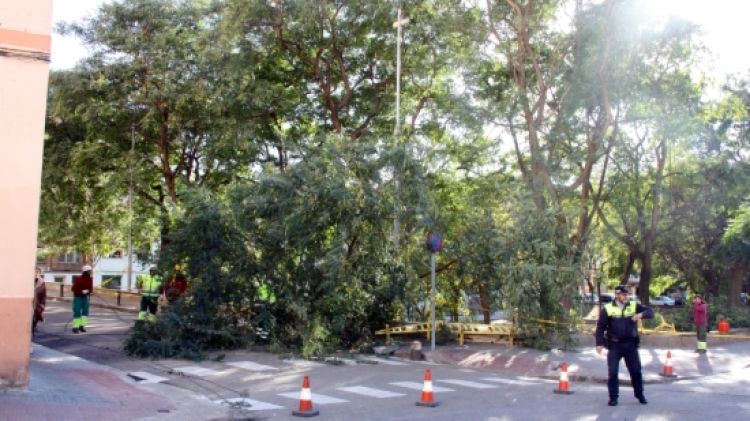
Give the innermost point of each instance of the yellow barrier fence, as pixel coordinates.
(460, 330)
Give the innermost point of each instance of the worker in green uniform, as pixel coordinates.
(151, 286)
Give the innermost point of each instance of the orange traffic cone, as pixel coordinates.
(563, 387)
(427, 399)
(305, 401)
(667, 371)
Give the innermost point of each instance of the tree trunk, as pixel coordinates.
(628, 267)
(484, 303)
(645, 281)
(737, 278)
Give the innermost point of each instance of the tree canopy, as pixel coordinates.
(539, 137)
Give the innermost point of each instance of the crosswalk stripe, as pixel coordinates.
(144, 377)
(249, 365)
(370, 392)
(418, 386)
(250, 404)
(195, 370)
(518, 382)
(316, 398)
(466, 383)
(384, 361)
(305, 363)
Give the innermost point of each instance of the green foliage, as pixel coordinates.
(444, 335)
(539, 275)
(660, 283)
(736, 239)
(219, 310)
(737, 316)
(265, 156)
(316, 340)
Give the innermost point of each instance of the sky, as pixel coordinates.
(724, 23)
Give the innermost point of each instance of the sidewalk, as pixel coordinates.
(65, 387)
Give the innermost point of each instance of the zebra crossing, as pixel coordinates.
(338, 395)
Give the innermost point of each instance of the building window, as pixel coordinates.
(59, 279)
(111, 282)
(69, 258)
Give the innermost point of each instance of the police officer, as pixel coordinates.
(619, 319)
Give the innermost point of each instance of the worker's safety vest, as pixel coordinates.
(150, 285)
(614, 311)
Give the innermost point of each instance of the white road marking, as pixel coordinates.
(195, 370)
(316, 399)
(305, 363)
(384, 361)
(466, 383)
(371, 392)
(249, 365)
(144, 377)
(249, 404)
(518, 382)
(419, 386)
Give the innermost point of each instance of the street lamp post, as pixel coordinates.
(400, 22)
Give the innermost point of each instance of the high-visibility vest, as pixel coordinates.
(150, 285)
(614, 311)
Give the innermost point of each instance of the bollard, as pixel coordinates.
(62, 290)
(387, 334)
(119, 294)
(461, 334)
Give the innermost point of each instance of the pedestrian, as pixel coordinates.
(617, 327)
(700, 320)
(176, 285)
(151, 287)
(83, 286)
(40, 299)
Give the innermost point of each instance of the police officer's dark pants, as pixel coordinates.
(629, 351)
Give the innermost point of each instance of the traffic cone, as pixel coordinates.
(305, 401)
(563, 387)
(427, 399)
(667, 371)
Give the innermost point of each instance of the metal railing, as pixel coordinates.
(120, 297)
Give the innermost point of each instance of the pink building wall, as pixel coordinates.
(24, 65)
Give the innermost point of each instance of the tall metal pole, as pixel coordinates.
(433, 293)
(400, 22)
(130, 209)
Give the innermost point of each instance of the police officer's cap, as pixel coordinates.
(621, 289)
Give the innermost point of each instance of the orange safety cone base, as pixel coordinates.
(428, 404)
(311, 413)
(671, 376)
(563, 392)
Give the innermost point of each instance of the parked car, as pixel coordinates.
(590, 298)
(662, 300)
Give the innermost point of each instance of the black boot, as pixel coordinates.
(642, 399)
(612, 402)
(75, 330)
(82, 329)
